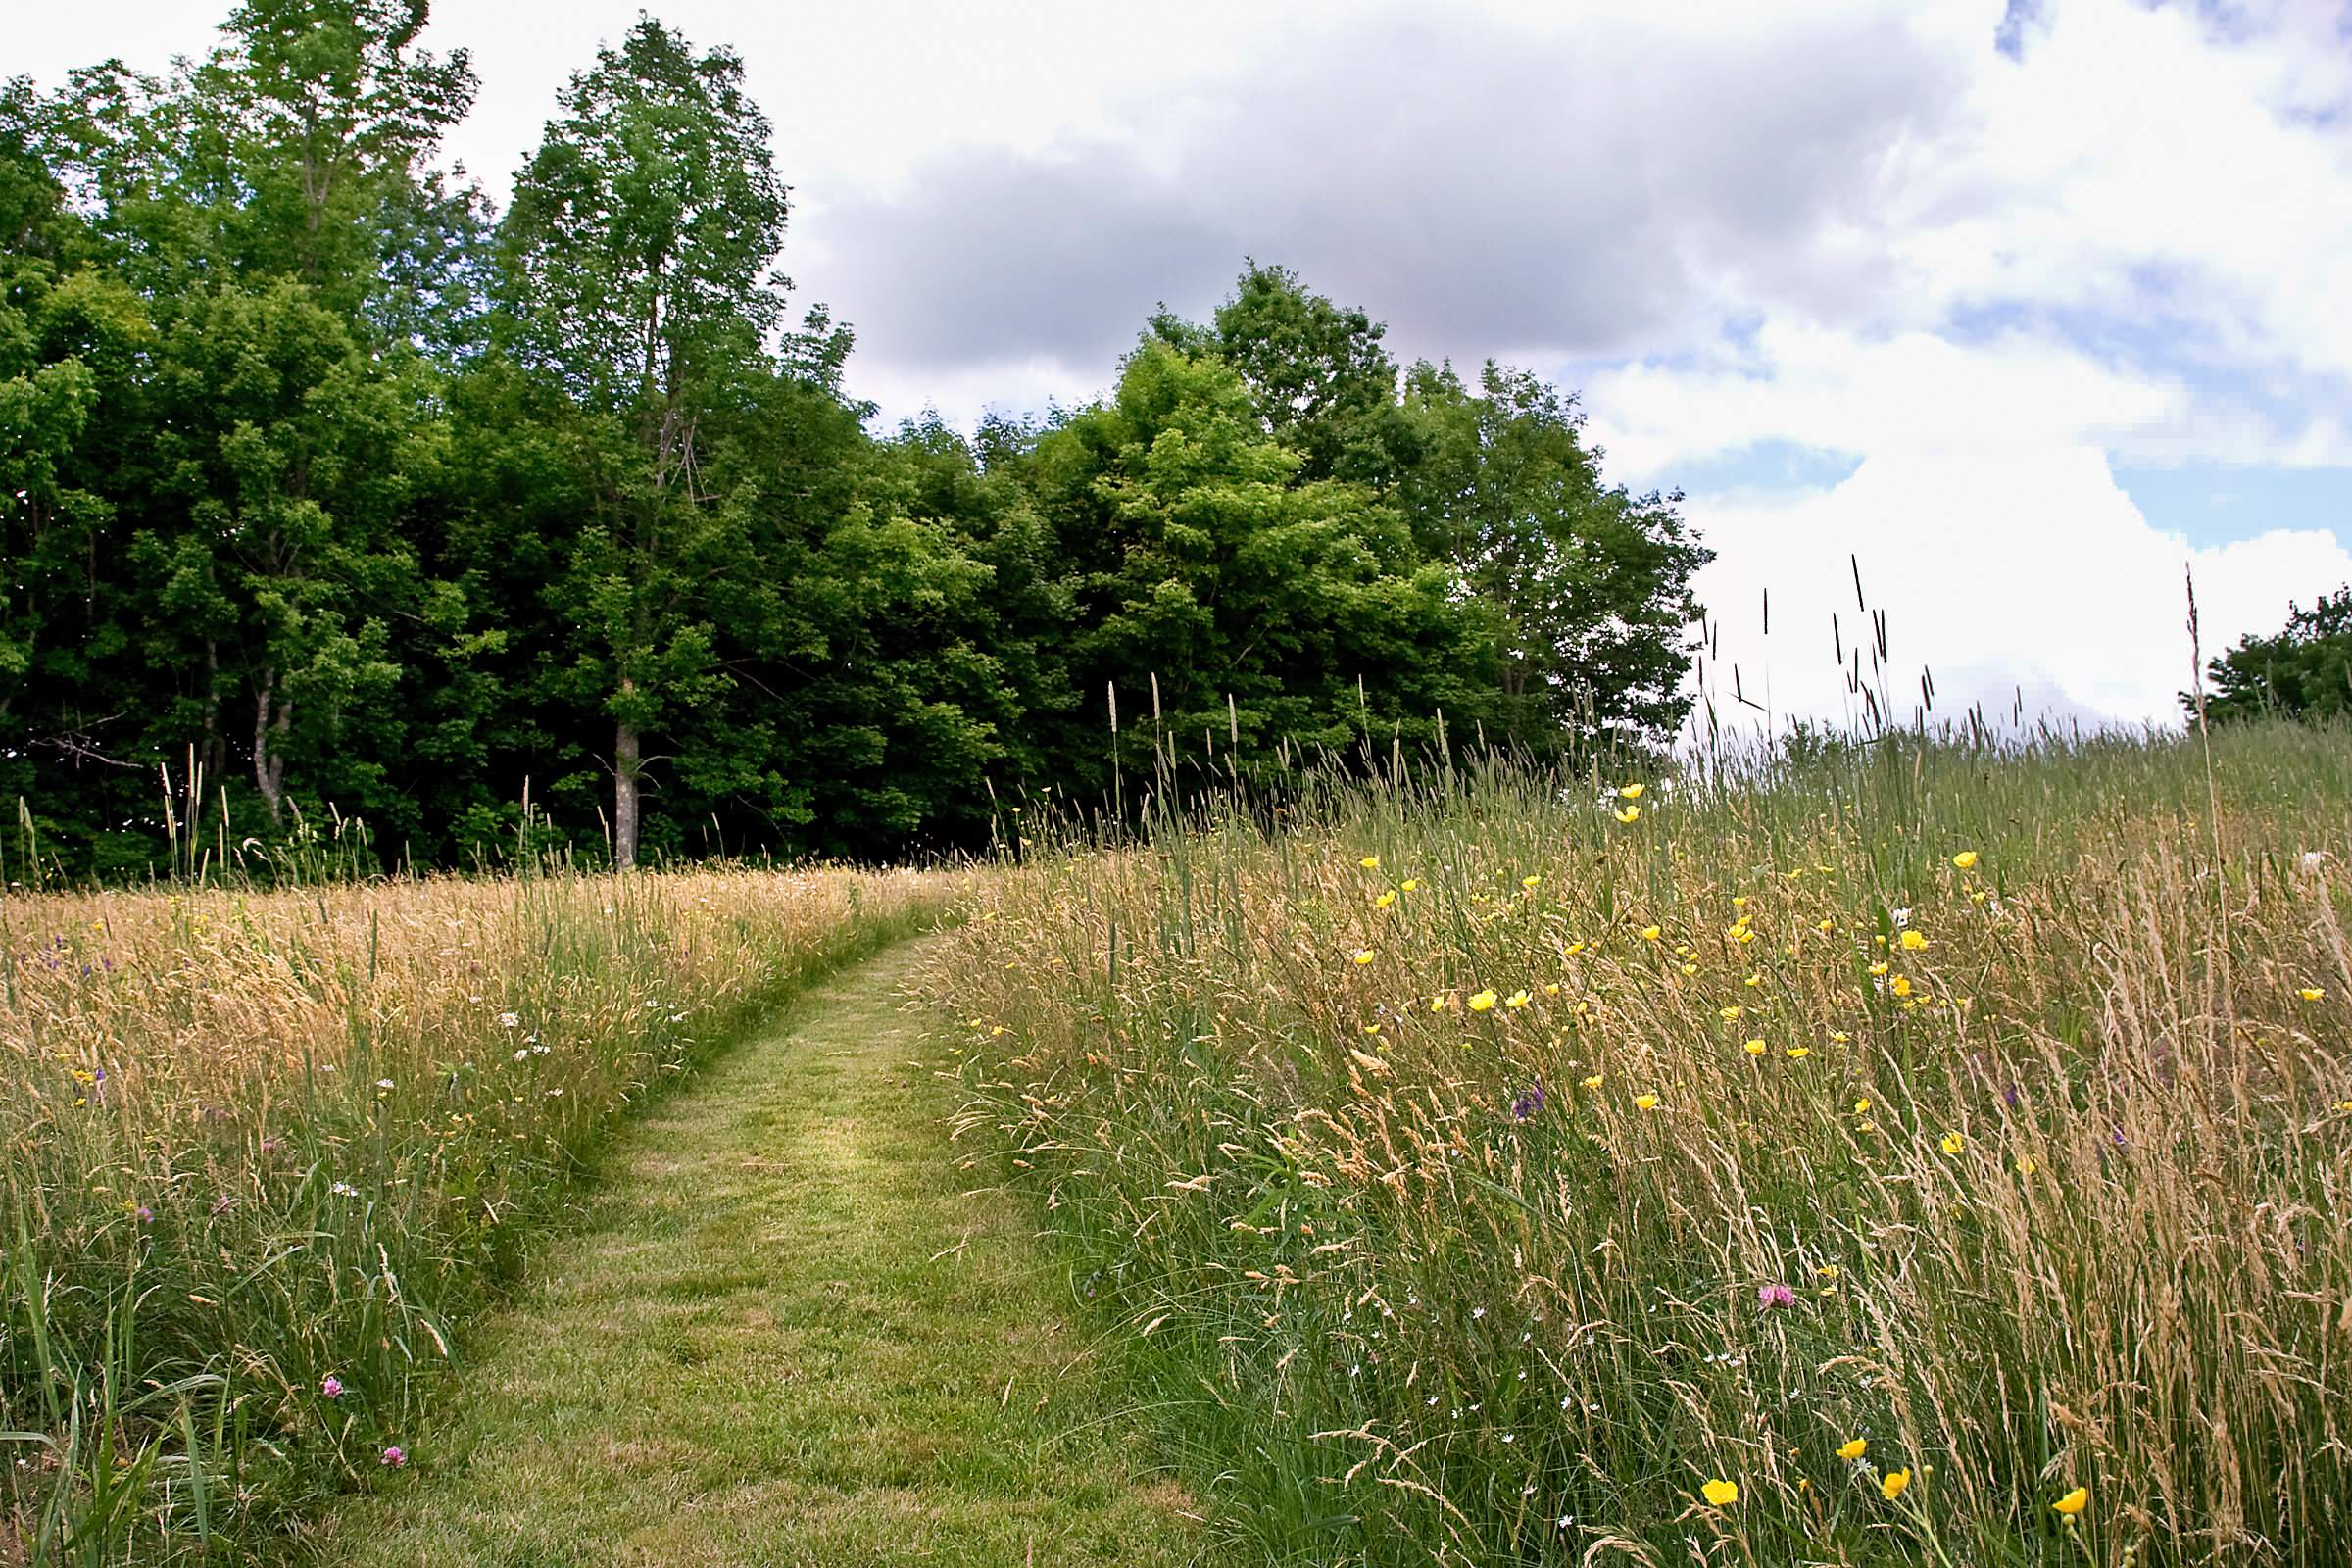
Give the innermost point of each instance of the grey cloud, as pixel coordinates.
(991, 259)
(1483, 190)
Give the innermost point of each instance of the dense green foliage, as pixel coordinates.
(2302, 671)
(325, 494)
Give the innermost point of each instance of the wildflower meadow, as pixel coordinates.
(263, 1150)
(1922, 1152)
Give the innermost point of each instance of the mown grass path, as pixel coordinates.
(785, 1335)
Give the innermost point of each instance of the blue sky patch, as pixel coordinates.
(2214, 504)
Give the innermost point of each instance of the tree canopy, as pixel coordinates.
(2302, 670)
(329, 494)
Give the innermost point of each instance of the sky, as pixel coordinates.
(2021, 308)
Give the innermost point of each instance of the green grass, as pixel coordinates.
(786, 1334)
(250, 1140)
(1993, 1109)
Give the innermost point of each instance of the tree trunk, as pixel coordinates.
(625, 751)
(270, 772)
(216, 747)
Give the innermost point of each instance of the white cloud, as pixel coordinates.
(2143, 159)
(1912, 392)
(2033, 570)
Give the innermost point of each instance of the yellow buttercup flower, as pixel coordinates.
(2312, 993)
(1915, 941)
(1481, 1002)
(1893, 1483)
(1632, 792)
(1720, 1494)
(1412, 884)
(1754, 1048)
(1370, 862)
(2026, 1165)
(1592, 1082)
(1861, 1107)
(1651, 933)
(1951, 1144)
(1385, 900)
(1731, 1013)
(2074, 1503)
(1631, 814)
(1552, 990)
(1878, 967)
(1900, 985)
(1517, 999)
(1689, 968)
(1854, 1449)
(1531, 881)
(1799, 1053)
(1645, 1102)
(1966, 860)
(1363, 955)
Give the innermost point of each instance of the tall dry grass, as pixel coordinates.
(258, 1141)
(1481, 1169)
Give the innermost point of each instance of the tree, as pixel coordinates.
(324, 112)
(1592, 583)
(70, 340)
(299, 148)
(2303, 670)
(1321, 381)
(637, 263)
(1271, 611)
(281, 254)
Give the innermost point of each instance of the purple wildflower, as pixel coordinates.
(395, 1457)
(1769, 1297)
(332, 1386)
(1527, 1102)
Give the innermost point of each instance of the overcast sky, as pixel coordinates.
(2027, 304)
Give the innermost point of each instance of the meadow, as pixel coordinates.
(265, 1151)
(1906, 1151)
(1912, 1151)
